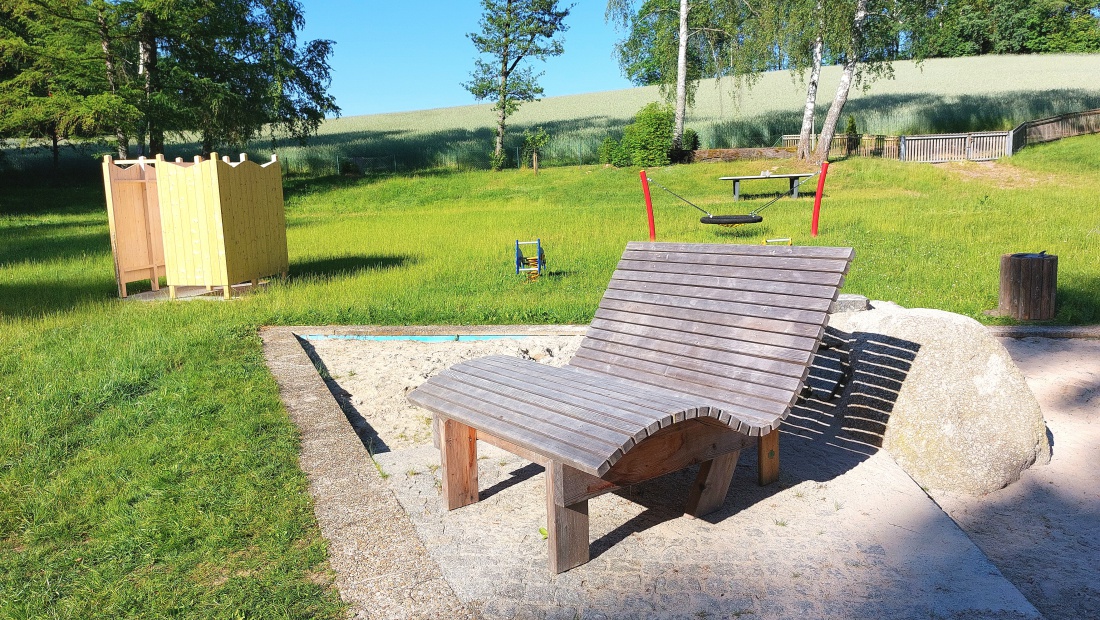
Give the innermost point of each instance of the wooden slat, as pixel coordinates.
(789, 362)
(630, 414)
(818, 269)
(735, 289)
(828, 252)
(587, 420)
(791, 282)
(589, 437)
(717, 316)
(767, 344)
(447, 404)
(748, 407)
(614, 390)
(694, 370)
(783, 377)
(716, 301)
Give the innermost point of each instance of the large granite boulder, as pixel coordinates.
(942, 396)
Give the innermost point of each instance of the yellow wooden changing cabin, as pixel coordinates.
(219, 222)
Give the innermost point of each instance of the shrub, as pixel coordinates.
(607, 150)
(690, 141)
(497, 162)
(649, 137)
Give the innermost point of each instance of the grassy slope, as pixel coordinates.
(146, 465)
(941, 95)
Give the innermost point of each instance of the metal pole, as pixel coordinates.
(648, 206)
(817, 198)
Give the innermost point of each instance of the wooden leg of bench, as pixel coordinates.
(711, 485)
(458, 451)
(566, 526)
(768, 457)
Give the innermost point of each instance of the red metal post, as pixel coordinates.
(648, 206)
(817, 197)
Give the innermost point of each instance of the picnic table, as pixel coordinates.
(793, 177)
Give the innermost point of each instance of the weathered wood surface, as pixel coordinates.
(1029, 284)
(695, 352)
(733, 342)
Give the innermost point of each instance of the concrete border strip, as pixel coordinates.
(382, 568)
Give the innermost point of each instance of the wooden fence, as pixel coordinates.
(973, 146)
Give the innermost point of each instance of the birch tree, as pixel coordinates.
(513, 31)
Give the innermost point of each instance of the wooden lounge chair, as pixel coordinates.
(696, 352)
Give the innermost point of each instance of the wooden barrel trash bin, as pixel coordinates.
(1028, 285)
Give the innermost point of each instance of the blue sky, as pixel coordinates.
(414, 55)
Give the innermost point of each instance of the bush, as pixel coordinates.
(607, 150)
(690, 141)
(497, 162)
(649, 138)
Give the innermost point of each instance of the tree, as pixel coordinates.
(673, 44)
(51, 86)
(866, 56)
(513, 31)
(533, 143)
(146, 68)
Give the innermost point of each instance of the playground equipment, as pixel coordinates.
(202, 223)
(531, 265)
(753, 217)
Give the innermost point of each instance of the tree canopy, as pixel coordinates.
(224, 70)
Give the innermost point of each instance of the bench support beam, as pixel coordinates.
(711, 485)
(768, 458)
(458, 452)
(567, 524)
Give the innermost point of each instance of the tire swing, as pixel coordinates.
(728, 221)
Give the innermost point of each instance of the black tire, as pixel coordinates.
(731, 219)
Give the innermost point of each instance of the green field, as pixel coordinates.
(147, 468)
(939, 96)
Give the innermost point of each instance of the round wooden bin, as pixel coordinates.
(1028, 284)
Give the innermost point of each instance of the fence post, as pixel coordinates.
(901, 148)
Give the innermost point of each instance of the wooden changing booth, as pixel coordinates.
(210, 223)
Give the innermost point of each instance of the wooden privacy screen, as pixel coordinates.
(133, 213)
(203, 223)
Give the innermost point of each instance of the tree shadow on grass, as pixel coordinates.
(345, 266)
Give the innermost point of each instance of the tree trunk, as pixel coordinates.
(681, 79)
(828, 129)
(122, 141)
(147, 44)
(55, 141)
(535, 161)
(805, 137)
(501, 118)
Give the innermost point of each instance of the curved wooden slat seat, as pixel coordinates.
(696, 351)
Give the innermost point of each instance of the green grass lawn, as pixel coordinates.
(147, 467)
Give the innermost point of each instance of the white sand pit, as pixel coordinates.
(844, 533)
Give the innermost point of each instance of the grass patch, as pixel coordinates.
(147, 467)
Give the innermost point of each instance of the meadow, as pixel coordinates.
(946, 95)
(147, 467)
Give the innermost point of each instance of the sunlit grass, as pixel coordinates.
(147, 468)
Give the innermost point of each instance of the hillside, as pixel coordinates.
(940, 95)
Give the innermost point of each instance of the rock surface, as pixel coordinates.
(942, 396)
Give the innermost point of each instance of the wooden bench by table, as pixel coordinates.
(696, 352)
(794, 178)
